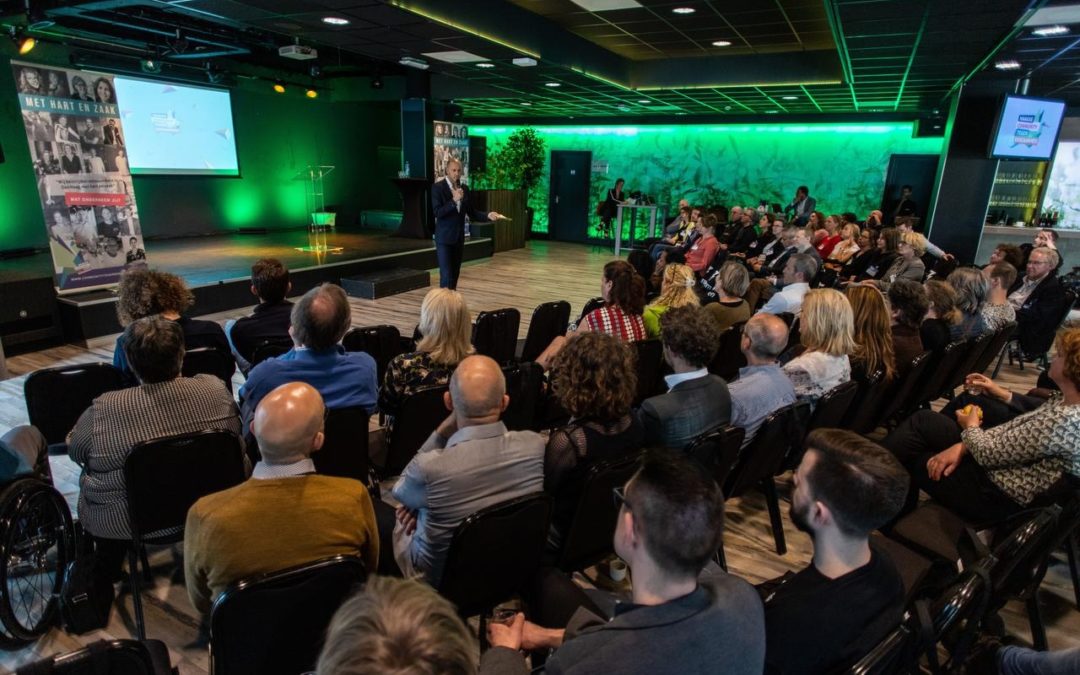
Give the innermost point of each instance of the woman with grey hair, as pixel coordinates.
(732, 281)
(971, 290)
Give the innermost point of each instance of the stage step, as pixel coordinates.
(382, 284)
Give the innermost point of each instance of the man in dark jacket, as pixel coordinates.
(1039, 301)
(450, 200)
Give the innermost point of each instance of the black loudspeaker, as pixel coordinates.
(477, 153)
(929, 127)
(29, 312)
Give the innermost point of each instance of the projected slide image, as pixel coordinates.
(175, 129)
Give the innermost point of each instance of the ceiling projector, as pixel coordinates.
(298, 52)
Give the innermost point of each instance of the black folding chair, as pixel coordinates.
(729, 357)
(905, 385)
(590, 306)
(270, 348)
(524, 385)
(972, 352)
(276, 623)
(57, 397)
(718, 451)
(832, 407)
(119, 657)
(1015, 351)
(495, 334)
(419, 415)
(209, 361)
(344, 451)
(650, 361)
(382, 343)
(862, 414)
(934, 376)
(549, 320)
(994, 349)
(495, 552)
(588, 540)
(163, 478)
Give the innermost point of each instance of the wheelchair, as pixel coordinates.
(37, 541)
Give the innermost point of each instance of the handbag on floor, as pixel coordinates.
(85, 598)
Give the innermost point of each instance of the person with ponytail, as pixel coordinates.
(677, 290)
(623, 291)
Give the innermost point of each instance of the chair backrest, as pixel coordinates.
(833, 406)
(549, 320)
(382, 342)
(794, 334)
(56, 397)
(718, 451)
(905, 384)
(894, 654)
(779, 432)
(495, 552)
(118, 657)
(935, 374)
(419, 415)
(972, 351)
(165, 476)
(961, 607)
(276, 623)
(209, 361)
(269, 348)
(729, 357)
(589, 537)
(525, 385)
(861, 415)
(1021, 558)
(495, 334)
(650, 362)
(345, 444)
(997, 343)
(591, 305)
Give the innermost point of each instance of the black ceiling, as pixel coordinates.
(785, 57)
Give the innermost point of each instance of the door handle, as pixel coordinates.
(556, 199)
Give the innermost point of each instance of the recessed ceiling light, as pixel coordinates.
(789, 98)
(1047, 31)
(336, 20)
(552, 84)
(524, 103)
(1007, 65)
(485, 65)
(455, 56)
(680, 113)
(683, 10)
(644, 100)
(722, 43)
(606, 5)
(771, 112)
(524, 62)
(413, 62)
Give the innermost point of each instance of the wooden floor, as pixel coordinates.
(523, 278)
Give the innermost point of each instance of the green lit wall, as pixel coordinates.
(843, 164)
(276, 135)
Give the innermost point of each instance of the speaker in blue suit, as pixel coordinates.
(450, 200)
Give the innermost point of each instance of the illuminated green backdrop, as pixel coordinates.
(843, 164)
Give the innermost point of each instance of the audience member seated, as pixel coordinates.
(672, 257)
(941, 315)
(696, 401)
(762, 388)
(624, 301)
(996, 310)
(731, 283)
(971, 290)
(679, 238)
(164, 404)
(468, 463)
(1008, 253)
(144, 292)
(705, 247)
(823, 618)
(996, 403)
(594, 379)
(770, 229)
(397, 626)
(1044, 238)
(832, 237)
(674, 623)
(908, 304)
(676, 290)
(887, 252)
(987, 475)
(284, 515)
(745, 236)
(319, 320)
(846, 247)
(270, 319)
(1038, 300)
(857, 265)
(644, 266)
(447, 329)
(799, 271)
(872, 332)
(904, 226)
(24, 452)
(773, 248)
(825, 327)
(908, 264)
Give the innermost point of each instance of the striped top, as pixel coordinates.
(612, 320)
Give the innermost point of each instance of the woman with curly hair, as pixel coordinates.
(872, 332)
(826, 327)
(144, 292)
(676, 290)
(594, 379)
(623, 291)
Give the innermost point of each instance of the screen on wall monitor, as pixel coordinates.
(1027, 128)
(177, 129)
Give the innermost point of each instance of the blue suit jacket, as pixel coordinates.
(449, 221)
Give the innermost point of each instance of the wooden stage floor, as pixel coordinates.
(522, 278)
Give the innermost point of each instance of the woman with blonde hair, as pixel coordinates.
(847, 247)
(447, 329)
(908, 265)
(872, 332)
(676, 290)
(826, 328)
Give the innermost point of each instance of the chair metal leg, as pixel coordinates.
(148, 577)
(1072, 547)
(1038, 630)
(1001, 357)
(136, 591)
(768, 486)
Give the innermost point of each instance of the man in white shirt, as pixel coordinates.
(800, 269)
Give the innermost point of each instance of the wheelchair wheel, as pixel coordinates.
(37, 541)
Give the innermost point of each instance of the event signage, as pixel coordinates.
(74, 127)
(451, 142)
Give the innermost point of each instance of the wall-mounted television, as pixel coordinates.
(1026, 128)
(177, 129)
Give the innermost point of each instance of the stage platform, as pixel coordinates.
(218, 269)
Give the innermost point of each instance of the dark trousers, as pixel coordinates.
(449, 256)
(994, 411)
(385, 519)
(968, 491)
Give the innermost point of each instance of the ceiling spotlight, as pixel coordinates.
(25, 43)
(789, 98)
(722, 43)
(279, 87)
(336, 21)
(683, 10)
(413, 62)
(1007, 65)
(552, 84)
(376, 82)
(150, 66)
(485, 64)
(311, 93)
(1047, 31)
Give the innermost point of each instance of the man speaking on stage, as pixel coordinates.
(451, 203)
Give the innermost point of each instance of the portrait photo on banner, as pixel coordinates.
(451, 141)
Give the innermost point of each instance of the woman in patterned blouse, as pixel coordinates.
(624, 301)
(986, 475)
(447, 331)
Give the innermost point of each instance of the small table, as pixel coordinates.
(634, 208)
(415, 207)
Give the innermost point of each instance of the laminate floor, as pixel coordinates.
(523, 278)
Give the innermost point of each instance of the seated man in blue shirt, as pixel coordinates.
(762, 387)
(799, 271)
(319, 320)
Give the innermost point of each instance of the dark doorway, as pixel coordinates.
(918, 171)
(568, 201)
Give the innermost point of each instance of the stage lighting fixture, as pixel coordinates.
(311, 93)
(24, 42)
(279, 87)
(150, 66)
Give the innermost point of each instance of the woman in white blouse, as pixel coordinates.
(826, 329)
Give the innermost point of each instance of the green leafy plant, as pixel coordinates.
(515, 164)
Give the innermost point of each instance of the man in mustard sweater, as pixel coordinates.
(284, 515)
